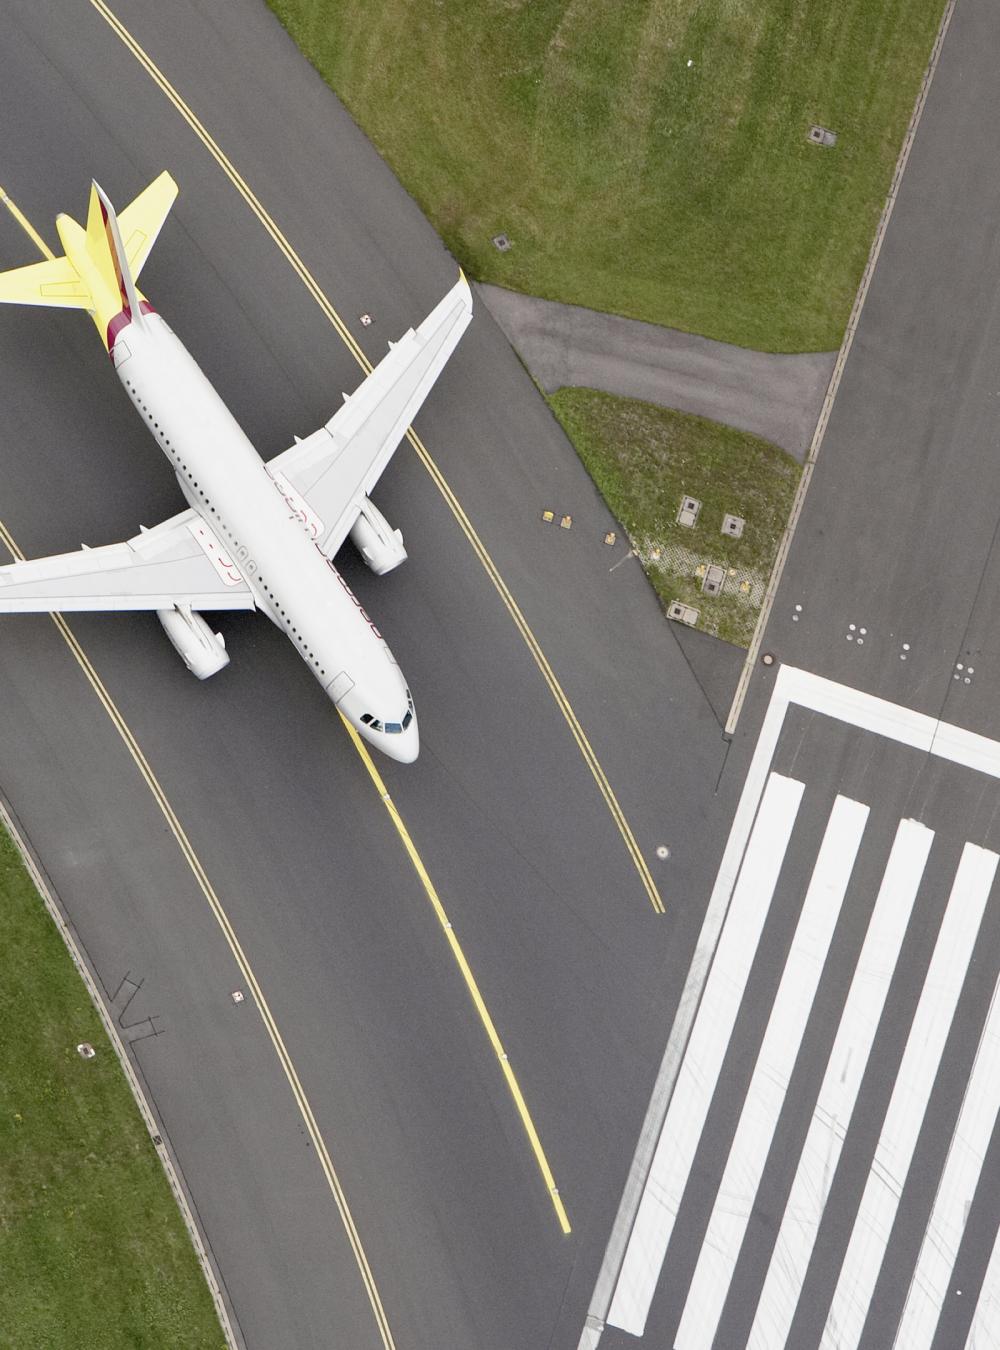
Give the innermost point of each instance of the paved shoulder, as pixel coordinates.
(774, 396)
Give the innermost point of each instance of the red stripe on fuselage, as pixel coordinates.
(123, 320)
(115, 259)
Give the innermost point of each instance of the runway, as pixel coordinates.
(365, 1037)
(826, 1176)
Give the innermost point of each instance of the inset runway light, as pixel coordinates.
(85, 1050)
(662, 851)
(366, 320)
(566, 523)
(548, 517)
(610, 538)
(237, 995)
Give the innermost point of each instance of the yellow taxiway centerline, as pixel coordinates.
(313, 287)
(467, 976)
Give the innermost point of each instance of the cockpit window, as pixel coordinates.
(407, 719)
(393, 728)
(366, 718)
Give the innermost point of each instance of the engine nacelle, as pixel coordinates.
(378, 543)
(202, 651)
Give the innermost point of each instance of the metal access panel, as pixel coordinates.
(682, 613)
(733, 526)
(688, 513)
(714, 580)
(822, 136)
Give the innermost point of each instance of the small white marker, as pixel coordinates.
(690, 64)
(237, 995)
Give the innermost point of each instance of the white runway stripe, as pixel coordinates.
(917, 1071)
(955, 1192)
(778, 1052)
(984, 1332)
(841, 1082)
(704, 1054)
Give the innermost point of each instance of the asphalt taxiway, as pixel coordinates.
(367, 1039)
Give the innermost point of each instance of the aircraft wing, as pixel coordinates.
(326, 477)
(179, 562)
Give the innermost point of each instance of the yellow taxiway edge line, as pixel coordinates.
(467, 976)
(246, 970)
(313, 287)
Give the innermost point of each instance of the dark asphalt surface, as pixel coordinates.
(898, 535)
(579, 973)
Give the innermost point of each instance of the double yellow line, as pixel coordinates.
(246, 970)
(314, 289)
(523, 628)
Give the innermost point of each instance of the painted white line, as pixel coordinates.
(791, 687)
(955, 1192)
(887, 719)
(984, 1333)
(844, 1071)
(778, 1052)
(917, 1071)
(706, 1050)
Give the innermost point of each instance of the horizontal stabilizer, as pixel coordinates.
(101, 263)
(46, 283)
(143, 218)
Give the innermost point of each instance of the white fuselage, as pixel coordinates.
(297, 586)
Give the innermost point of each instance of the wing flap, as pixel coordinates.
(179, 562)
(336, 467)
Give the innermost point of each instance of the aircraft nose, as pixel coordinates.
(407, 746)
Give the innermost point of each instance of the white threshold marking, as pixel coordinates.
(775, 1061)
(904, 1117)
(845, 1068)
(791, 687)
(955, 1192)
(702, 1064)
(984, 1333)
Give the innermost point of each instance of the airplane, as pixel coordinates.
(255, 535)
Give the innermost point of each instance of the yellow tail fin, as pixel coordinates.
(101, 263)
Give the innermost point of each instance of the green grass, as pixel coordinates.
(628, 180)
(93, 1252)
(644, 459)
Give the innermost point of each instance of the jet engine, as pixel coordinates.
(202, 651)
(378, 543)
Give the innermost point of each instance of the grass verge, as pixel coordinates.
(92, 1247)
(648, 159)
(644, 459)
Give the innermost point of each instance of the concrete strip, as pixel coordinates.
(778, 397)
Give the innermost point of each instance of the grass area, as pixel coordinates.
(93, 1251)
(644, 459)
(649, 159)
